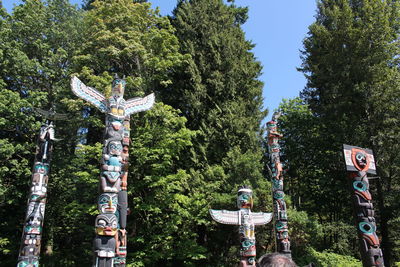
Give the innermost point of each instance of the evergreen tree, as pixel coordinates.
(218, 91)
(38, 41)
(350, 59)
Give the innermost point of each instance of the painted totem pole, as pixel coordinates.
(280, 215)
(29, 252)
(110, 241)
(246, 221)
(359, 162)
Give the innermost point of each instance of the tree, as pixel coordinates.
(350, 59)
(38, 41)
(218, 91)
(314, 187)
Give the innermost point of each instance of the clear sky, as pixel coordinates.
(277, 28)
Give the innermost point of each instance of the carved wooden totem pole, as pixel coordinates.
(280, 215)
(246, 219)
(110, 241)
(29, 252)
(359, 162)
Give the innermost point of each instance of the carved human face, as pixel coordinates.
(115, 148)
(108, 203)
(36, 209)
(361, 159)
(41, 168)
(245, 198)
(106, 224)
(271, 125)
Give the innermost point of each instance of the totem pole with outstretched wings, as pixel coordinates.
(110, 241)
(246, 220)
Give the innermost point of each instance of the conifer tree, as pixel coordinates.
(38, 41)
(218, 91)
(350, 59)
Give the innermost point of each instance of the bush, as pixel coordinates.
(329, 259)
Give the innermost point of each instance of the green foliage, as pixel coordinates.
(165, 205)
(38, 41)
(217, 90)
(305, 231)
(130, 39)
(329, 259)
(350, 60)
(191, 153)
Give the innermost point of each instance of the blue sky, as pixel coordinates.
(277, 28)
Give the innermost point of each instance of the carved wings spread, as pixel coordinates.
(261, 218)
(89, 94)
(233, 217)
(135, 105)
(226, 216)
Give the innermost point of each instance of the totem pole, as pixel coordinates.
(110, 241)
(280, 215)
(359, 162)
(29, 252)
(246, 221)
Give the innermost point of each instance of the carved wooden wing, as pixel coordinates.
(226, 216)
(261, 218)
(138, 104)
(89, 94)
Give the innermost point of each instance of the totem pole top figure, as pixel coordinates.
(115, 105)
(359, 159)
(272, 126)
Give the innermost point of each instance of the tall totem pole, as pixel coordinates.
(359, 162)
(280, 215)
(29, 252)
(246, 219)
(110, 241)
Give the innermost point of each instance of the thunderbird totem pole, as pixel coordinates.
(246, 221)
(110, 241)
(359, 162)
(281, 225)
(29, 252)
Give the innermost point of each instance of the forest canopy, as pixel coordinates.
(205, 136)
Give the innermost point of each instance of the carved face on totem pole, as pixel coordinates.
(106, 224)
(35, 218)
(114, 148)
(118, 87)
(245, 198)
(271, 125)
(116, 102)
(41, 168)
(360, 159)
(108, 203)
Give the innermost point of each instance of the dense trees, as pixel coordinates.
(203, 137)
(186, 157)
(38, 41)
(350, 59)
(217, 90)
